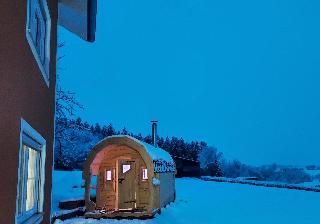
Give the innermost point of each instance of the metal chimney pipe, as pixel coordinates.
(154, 133)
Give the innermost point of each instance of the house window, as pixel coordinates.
(38, 34)
(30, 176)
(144, 174)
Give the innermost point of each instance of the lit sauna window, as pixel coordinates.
(144, 174)
(109, 175)
(125, 168)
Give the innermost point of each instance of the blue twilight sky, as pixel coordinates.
(242, 75)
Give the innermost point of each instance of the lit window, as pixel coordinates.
(109, 176)
(38, 34)
(31, 176)
(144, 174)
(125, 168)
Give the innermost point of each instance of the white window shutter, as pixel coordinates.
(32, 19)
(38, 34)
(42, 38)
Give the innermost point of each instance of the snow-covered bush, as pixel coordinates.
(210, 162)
(235, 169)
(317, 177)
(274, 172)
(292, 175)
(212, 169)
(267, 172)
(209, 155)
(312, 167)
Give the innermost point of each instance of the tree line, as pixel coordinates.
(75, 138)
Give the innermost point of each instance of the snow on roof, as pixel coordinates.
(156, 154)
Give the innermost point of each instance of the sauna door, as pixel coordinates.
(126, 179)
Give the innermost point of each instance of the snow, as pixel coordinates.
(158, 153)
(66, 185)
(154, 153)
(64, 212)
(306, 186)
(162, 160)
(207, 202)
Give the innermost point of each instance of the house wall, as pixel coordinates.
(167, 188)
(23, 94)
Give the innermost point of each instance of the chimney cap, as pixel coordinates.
(154, 121)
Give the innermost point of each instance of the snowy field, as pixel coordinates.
(200, 202)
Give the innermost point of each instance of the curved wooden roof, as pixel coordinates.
(148, 152)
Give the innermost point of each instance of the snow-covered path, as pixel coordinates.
(201, 202)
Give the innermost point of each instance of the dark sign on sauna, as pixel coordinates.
(161, 166)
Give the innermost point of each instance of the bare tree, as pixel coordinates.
(66, 105)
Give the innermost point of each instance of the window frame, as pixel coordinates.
(106, 175)
(126, 168)
(28, 214)
(43, 66)
(32, 139)
(144, 171)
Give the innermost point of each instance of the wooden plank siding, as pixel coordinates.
(107, 191)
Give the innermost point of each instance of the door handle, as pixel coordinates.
(120, 180)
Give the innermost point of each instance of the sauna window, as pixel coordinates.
(126, 168)
(144, 174)
(108, 175)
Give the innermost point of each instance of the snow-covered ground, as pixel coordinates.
(314, 184)
(201, 202)
(66, 185)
